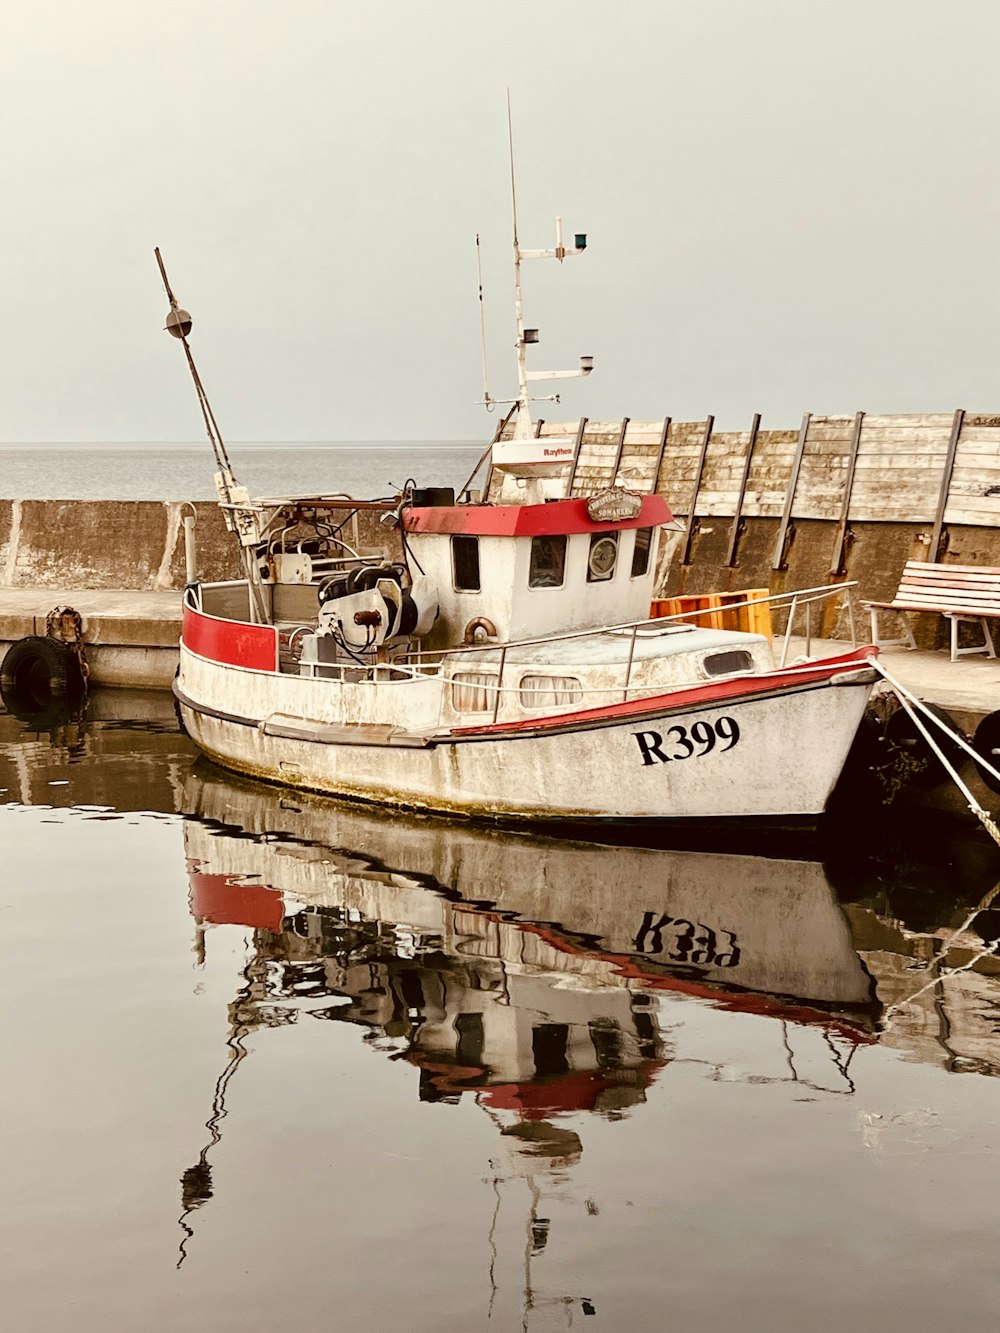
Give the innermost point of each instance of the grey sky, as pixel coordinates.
(791, 204)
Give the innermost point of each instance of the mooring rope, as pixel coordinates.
(914, 707)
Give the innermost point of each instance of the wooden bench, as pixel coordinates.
(960, 592)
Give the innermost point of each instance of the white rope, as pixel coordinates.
(914, 707)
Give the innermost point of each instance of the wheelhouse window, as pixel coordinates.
(640, 552)
(465, 563)
(547, 568)
(730, 663)
(603, 557)
(549, 691)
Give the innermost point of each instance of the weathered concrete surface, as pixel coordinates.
(131, 637)
(135, 545)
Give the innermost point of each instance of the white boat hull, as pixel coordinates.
(791, 745)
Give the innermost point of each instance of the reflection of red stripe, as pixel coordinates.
(739, 689)
(572, 1092)
(534, 1099)
(230, 641)
(558, 517)
(216, 899)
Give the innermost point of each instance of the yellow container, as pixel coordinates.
(717, 610)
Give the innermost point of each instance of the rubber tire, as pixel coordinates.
(902, 732)
(37, 671)
(986, 742)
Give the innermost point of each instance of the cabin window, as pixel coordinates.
(465, 563)
(603, 557)
(729, 663)
(640, 552)
(473, 691)
(548, 562)
(549, 691)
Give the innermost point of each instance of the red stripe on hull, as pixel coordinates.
(545, 520)
(230, 641)
(723, 691)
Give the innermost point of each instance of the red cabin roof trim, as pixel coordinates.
(544, 520)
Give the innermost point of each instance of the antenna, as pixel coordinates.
(487, 400)
(522, 427)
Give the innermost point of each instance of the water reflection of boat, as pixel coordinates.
(525, 972)
(545, 980)
(753, 933)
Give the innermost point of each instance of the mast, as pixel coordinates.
(237, 509)
(527, 337)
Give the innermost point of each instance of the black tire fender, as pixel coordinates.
(986, 743)
(902, 732)
(37, 670)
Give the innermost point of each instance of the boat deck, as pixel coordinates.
(151, 620)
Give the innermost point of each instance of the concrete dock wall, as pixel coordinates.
(120, 544)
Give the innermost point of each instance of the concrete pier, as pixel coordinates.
(130, 637)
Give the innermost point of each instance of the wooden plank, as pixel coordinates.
(939, 420)
(973, 517)
(926, 569)
(918, 463)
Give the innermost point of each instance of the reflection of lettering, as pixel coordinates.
(702, 733)
(694, 941)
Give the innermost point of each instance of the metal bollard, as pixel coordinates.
(190, 562)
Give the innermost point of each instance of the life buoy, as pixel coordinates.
(36, 672)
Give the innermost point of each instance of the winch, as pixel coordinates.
(364, 610)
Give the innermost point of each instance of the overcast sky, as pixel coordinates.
(791, 204)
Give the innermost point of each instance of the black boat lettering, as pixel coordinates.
(700, 740)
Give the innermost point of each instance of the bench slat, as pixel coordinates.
(950, 596)
(927, 566)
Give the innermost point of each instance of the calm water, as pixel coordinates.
(274, 1063)
(184, 472)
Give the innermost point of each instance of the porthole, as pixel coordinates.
(603, 556)
(733, 662)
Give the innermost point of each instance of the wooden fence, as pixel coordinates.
(940, 468)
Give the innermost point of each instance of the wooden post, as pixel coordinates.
(840, 544)
(654, 488)
(935, 548)
(734, 531)
(793, 480)
(689, 535)
(571, 481)
(621, 447)
(538, 427)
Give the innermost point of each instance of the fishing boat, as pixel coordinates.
(492, 654)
